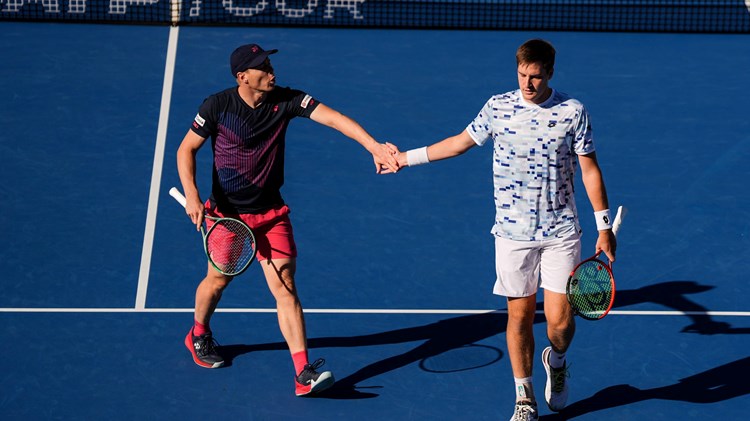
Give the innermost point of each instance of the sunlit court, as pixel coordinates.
(395, 271)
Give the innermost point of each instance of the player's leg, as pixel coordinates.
(560, 331)
(520, 335)
(520, 339)
(280, 277)
(208, 294)
(559, 257)
(517, 266)
(277, 256)
(199, 340)
(560, 322)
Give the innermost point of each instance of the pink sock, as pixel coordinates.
(300, 360)
(199, 329)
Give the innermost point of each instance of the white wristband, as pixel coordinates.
(603, 220)
(417, 156)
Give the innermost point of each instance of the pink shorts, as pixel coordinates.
(272, 229)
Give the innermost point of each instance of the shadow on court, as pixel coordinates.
(439, 338)
(711, 386)
(673, 295)
(463, 333)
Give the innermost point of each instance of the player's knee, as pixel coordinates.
(217, 281)
(284, 291)
(561, 325)
(520, 319)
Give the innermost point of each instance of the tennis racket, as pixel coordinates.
(229, 243)
(591, 285)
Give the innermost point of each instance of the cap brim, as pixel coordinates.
(260, 59)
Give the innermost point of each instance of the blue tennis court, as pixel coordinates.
(395, 272)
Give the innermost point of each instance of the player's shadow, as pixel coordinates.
(711, 386)
(459, 332)
(674, 295)
(437, 339)
(714, 385)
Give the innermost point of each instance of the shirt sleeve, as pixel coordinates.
(480, 129)
(301, 104)
(584, 138)
(204, 123)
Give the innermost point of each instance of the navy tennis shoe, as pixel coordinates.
(309, 381)
(204, 350)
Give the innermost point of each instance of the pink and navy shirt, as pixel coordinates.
(248, 146)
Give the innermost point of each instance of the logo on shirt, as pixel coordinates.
(307, 100)
(552, 124)
(200, 120)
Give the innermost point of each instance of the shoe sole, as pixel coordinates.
(189, 345)
(548, 383)
(325, 381)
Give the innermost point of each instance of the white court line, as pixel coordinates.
(356, 311)
(153, 196)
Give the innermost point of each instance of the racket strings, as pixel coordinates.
(230, 246)
(591, 290)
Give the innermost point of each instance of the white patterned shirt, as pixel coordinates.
(534, 163)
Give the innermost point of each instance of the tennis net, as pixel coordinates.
(719, 16)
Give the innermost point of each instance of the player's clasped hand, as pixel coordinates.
(393, 165)
(385, 159)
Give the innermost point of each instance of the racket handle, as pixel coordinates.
(621, 212)
(179, 197)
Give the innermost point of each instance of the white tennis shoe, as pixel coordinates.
(525, 411)
(556, 389)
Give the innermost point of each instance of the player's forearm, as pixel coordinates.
(443, 150)
(450, 147)
(595, 189)
(353, 130)
(593, 181)
(344, 125)
(186, 167)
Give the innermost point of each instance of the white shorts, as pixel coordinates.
(524, 266)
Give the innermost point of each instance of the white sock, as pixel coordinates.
(524, 389)
(556, 360)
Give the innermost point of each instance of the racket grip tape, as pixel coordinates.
(621, 212)
(178, 196)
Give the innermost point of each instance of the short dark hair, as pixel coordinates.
(536, 51)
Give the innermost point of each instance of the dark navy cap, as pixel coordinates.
(247, 57)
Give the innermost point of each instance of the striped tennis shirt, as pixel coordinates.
(248, 146)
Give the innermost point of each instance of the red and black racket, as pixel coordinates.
(591, 285)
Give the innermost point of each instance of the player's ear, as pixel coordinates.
(551, 72)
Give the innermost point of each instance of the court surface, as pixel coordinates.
(100, 265)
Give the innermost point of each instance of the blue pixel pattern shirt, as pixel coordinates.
(534, 162)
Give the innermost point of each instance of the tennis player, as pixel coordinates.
(540, 136)
(247, 125)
